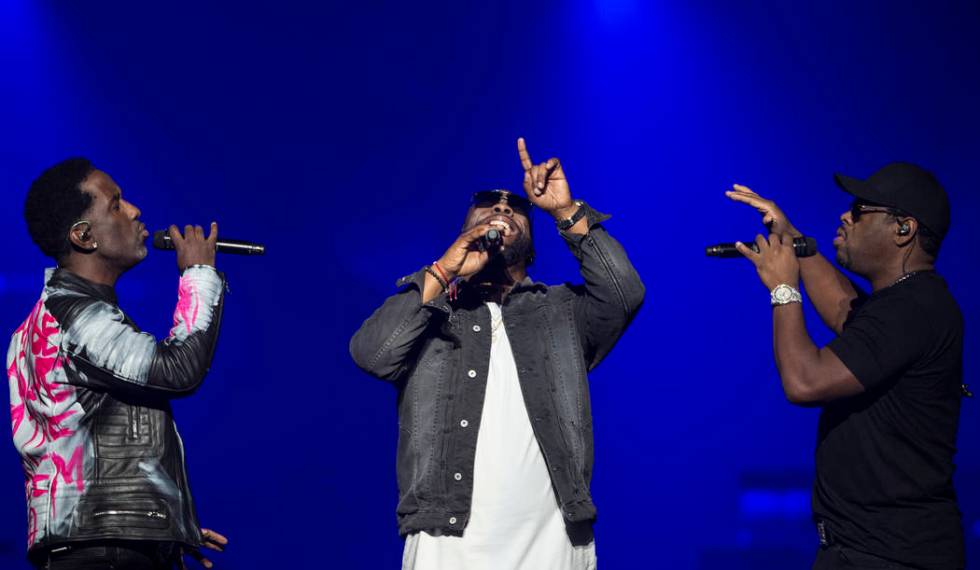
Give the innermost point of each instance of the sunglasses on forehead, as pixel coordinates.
(490, 198)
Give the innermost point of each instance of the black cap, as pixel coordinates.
(906, 187)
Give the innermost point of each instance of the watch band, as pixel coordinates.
(569, 222)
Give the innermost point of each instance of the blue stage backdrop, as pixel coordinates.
(348, 137)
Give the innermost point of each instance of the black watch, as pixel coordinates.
(569, 222)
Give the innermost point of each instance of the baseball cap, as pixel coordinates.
(906, 187)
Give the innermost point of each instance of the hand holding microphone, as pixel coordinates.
(772, 217)
(192, 247)
(163, 240)
(802, 247)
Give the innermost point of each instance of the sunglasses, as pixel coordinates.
(860, 208)
(490, 198)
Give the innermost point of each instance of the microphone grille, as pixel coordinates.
(161, 240)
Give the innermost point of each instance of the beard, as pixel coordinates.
(521, 251)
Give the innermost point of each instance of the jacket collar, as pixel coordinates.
(61, 278)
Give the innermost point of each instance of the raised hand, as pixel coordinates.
(772, 216)
(192, 248)
(545, 184)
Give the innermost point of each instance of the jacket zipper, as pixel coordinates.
(134, 424)
(147, 514)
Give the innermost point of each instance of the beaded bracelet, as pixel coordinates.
(442, 283)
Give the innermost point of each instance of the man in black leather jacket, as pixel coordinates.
(437, 340)
(106, 483)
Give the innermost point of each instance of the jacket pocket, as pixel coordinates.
(133, 512)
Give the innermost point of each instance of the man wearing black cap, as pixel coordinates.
(890, 383)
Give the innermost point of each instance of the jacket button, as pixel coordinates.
(452, 520)
(464, 423)
(471, 373)
(476, 328)
(458, 476)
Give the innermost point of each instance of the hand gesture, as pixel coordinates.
(545, 183)
(192, 248)
(772, 216)
(465, 257)
(213, 541)
(776, 260)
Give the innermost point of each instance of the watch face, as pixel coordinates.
(782, 293)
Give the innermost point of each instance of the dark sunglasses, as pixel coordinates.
(860, 208)
(490, 198)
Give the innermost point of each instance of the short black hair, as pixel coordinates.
(55, 201)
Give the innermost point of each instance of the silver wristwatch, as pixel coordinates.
(783, 294)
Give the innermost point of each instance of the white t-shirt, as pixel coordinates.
(515, 522)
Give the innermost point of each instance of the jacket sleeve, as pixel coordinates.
(386, 343)
(110, 353)
(612, 293)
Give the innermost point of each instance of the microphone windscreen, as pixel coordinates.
(161, 240)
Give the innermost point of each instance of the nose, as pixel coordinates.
(503, 208)
(132, 210)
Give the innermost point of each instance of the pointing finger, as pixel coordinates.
(522, 152)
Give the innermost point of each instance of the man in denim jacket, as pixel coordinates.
(495, 426)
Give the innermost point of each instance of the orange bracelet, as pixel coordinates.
(445, 276)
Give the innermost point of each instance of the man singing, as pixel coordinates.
(106, 484)
(495, 428)
(889, 384)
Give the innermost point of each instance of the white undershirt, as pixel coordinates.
(515, 522)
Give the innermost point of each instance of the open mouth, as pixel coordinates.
(503, 222)
(841, 236)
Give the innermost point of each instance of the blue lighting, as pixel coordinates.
(768, 503)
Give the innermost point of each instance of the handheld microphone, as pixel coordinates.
(802, 246)
(492, 241)
(161, 240)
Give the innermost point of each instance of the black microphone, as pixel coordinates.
(803, 246)
(492, 241)
(161, 240)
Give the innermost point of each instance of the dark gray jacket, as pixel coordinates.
(438, 355)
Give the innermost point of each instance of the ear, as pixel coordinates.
(80, 236)
(905, 231)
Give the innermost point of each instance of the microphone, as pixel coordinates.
(161, 240)
(492, 241)
(802, 246)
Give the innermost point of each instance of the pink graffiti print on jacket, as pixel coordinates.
(44, 416)
(188, 305)
(32, 369)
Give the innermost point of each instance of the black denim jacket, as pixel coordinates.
(438, 354)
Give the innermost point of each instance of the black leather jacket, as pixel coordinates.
(90, 399)
(438, 355)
